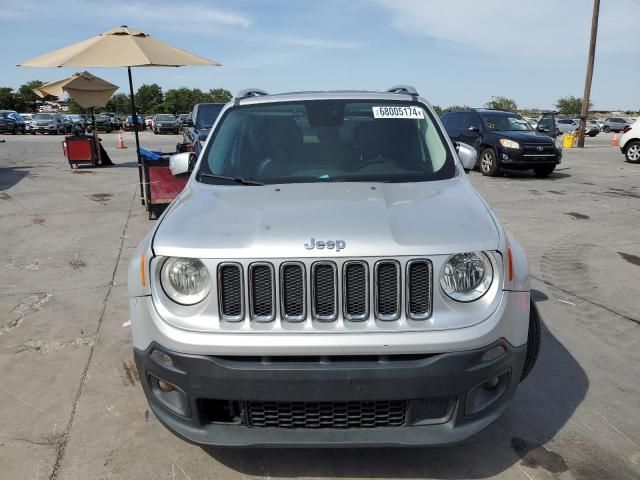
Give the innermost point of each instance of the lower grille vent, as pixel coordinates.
(326, 414)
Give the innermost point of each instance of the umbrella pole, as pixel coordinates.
(95, 135)
(135, 131)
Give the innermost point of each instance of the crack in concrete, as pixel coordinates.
(55, 472)
(46, 347)
(29, 304)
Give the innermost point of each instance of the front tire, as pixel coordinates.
(632, 152)
(544, 171)
(534, 339)
(606, 129)
(489, 163)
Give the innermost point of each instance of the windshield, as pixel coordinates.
(43, 116)
(4, 114)
(325, 141)
(166, 118)
(207, 114)
(505, 122)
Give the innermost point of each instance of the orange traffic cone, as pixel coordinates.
(121, 144)
(614, 141)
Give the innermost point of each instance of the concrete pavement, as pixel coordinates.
(72, 406)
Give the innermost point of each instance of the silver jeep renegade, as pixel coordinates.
(329, 276)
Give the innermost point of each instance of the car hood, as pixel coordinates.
(202, 133)
(524, 137)
(372, 219)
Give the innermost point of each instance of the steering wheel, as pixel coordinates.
(263, 166)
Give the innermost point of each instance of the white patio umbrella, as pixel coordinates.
(120, 47)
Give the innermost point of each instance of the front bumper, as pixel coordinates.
(444, 395)
(517, 159)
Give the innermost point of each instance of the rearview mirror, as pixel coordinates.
(182, 163)
(467, 155)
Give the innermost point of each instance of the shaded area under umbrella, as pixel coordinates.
(121, 47)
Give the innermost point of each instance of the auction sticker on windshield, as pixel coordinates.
(397, 112)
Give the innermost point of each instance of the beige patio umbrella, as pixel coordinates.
(86, 89)
(120, 47)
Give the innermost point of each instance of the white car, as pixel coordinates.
(630, 143)
(566, 125)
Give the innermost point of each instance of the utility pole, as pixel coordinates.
(587, 81)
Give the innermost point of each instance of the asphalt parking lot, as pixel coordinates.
(72, 406)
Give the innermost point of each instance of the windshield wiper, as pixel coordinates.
(240, 180)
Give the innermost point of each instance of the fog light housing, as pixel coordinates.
(487, 393)
(162, 358)
(493, 353)
(169, 395)
(505, 156)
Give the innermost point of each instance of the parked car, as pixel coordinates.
(115, 120)
(12, 122)
(184, 121)
(129, 125)
(567, 125)
(614, 124)
(49, 123)
(28, 121)
(103, 124)
(165, 123)
(330, 276)
(78, 122)
(630, 143)
(203, 117)
(148, 120)
(592, 129)
(505, 140)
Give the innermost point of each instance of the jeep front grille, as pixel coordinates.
(387, 289)
(324, 288)
(352, 290)
(231, 291)
(419, 289)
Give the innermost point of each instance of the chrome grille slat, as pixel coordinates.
(262, 292)
(355, 290)
(293, 291)
(419, 289)
(324, 291)
(387, 290)
(231, 291)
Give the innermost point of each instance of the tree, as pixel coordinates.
(437, 109)
(148, 95)
(530, 112)
(570, 106)
(119, 103)
(502, 103)
(7, 99)
(219, 95)
(74, 107)
(454, 108)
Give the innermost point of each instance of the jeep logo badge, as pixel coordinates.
(328, 244)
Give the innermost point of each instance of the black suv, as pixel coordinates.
(203, 117)
(505, 140)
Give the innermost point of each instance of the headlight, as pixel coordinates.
(467, 276)
(185, 280)
(509, 143)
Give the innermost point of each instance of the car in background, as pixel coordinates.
(49, 123)
(614, 124)
(77, 121)
(103, 124)
(165, 123)
(532, 121)
(592, 128)
(505, 140)
(148, 120)
(12, 122)
(630, 143)
(184, 121)
(28, 121)
(566, 125)
(203, 117)
(129, 125)
(115, 120)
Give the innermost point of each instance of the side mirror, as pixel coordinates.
(182, 163)
(542, 129)
(467, 155)
(188, 123)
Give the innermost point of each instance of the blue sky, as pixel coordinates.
(453, 51)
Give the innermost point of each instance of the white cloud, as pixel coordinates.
(521, 28)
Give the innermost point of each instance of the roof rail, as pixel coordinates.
(249, 92)
(403, 89)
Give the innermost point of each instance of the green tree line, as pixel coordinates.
(150, 99)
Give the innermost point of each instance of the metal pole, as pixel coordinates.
(587, 81)
(135, 130)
